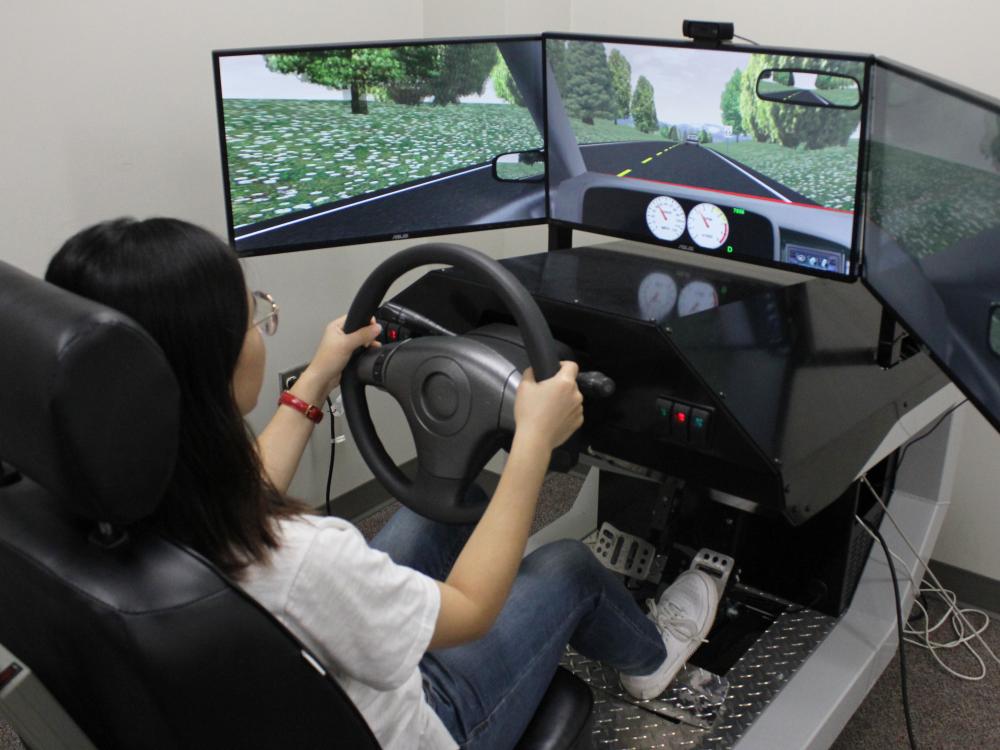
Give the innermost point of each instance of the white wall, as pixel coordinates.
(108, 109)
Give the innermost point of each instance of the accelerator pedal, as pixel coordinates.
(717, 565)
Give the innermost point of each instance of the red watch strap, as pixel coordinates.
(313, 413)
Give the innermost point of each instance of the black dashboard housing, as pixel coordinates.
(782, 370)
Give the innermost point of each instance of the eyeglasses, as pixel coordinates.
(265, 313)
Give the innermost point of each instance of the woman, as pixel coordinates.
(441, 635)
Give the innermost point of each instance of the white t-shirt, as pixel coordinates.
(368, 620)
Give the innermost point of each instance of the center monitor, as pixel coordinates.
(334, 145)
(747, 153)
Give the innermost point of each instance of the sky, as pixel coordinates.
(247, 77)
(687, 83)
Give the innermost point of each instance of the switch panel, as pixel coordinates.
(685, 423)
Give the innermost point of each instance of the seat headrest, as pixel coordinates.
(89, 405)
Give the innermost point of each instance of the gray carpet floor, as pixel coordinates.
(947, 712)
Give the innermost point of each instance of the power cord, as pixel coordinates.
(959, 620)
(928, 432)
(899, 631)
(965, 631)
(334, 439)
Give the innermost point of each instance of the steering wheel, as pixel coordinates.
(456, 392)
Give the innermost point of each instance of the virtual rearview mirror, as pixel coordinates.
(810, 88)
(520, 166)
(995, 329)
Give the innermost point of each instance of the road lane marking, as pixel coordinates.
(358, 203)
(740, 169)
(624, 172)
(647, 160)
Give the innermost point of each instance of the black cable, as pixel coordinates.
(333, 453)
(899, 631)
(902, 452)
(737, 36)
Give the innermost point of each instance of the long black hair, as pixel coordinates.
(185, 286)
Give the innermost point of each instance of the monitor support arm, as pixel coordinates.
(890, 337)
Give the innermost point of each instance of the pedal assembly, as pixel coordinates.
(636, 558)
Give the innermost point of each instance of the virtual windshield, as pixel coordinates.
(751, 155)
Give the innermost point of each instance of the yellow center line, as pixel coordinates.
(624, 172)
(659, 153)
(647, 160)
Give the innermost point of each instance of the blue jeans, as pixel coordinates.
(486, 691)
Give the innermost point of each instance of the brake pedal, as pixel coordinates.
(625, 553)
(717, 565)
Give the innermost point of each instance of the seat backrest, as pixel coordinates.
(144, 643)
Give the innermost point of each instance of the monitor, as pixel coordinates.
(747, 153)
(334, 145)
(932, 228)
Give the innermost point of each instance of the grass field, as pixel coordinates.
(605, 131)
(929, 204)
(291, 155)
(825, 175)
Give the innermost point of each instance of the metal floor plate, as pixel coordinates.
(701, 711)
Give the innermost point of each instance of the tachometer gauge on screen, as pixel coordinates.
(708, 226)
(665, 218)
(657, 296)
(695, 297)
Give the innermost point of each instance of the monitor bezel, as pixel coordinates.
(362, 239)
(855, 254)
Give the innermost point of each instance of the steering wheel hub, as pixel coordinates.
(442, 396)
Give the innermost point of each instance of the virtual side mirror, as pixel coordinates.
(809, 88)
(995, 329)
(520, 166)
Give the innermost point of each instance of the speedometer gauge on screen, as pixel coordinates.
(744, 153)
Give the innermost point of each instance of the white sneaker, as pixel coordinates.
(684, 615)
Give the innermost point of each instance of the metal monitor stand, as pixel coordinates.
(819, 700)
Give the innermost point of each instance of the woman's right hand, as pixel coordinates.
(550, 410)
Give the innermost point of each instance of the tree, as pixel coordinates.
(588, 92)
(795, 125)
(621, 81)
(643, 106)
(418, 64)
(360, 70)
(673, 134)
(783, 77)
(555, 54)
(504, 84)
(704, 136)
(730, 104)
(463, 70)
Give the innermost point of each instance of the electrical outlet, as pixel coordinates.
(287, 378)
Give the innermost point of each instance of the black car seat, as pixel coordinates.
(142, 641)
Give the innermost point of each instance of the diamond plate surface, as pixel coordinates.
(701, 711)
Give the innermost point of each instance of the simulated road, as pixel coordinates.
(685, 164)
(442, 201)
